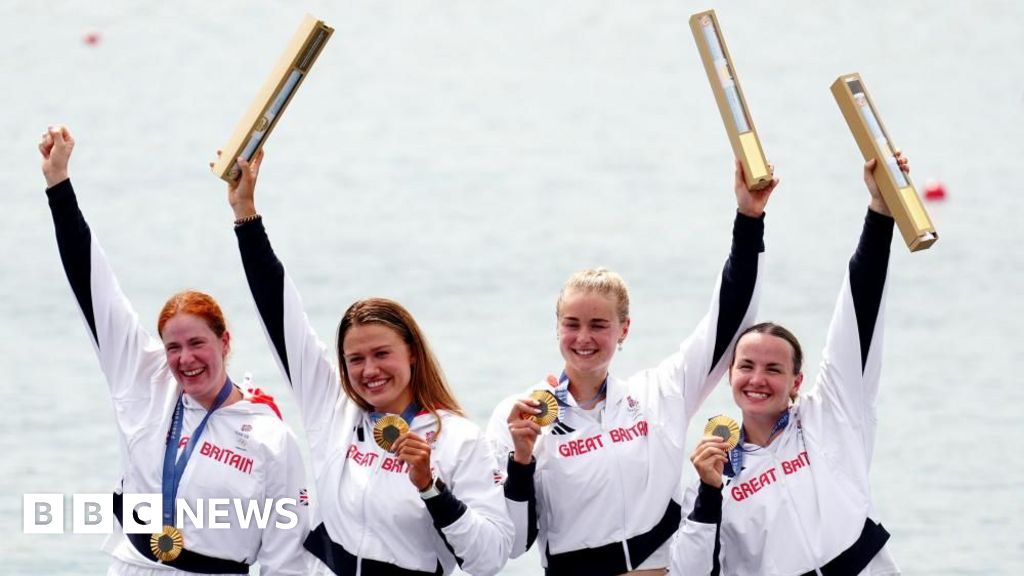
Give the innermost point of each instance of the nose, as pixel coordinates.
(370, 368)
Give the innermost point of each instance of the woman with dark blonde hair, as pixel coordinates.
(172, 394)
(595, 484)
(406, 483)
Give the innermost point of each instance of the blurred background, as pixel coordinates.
(464, 157)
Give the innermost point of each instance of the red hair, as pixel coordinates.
(197, 304)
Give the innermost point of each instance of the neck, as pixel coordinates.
(399, 406)
(207, 400)
(758, 429)
(585, 386)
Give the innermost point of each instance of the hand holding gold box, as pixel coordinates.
(874, 142)
(275, 95)
(729, 95)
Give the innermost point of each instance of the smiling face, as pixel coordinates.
(195, 355)
(379, 366)
(762, 377)
(589, 330)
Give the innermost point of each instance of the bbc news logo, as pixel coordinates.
(143, 513)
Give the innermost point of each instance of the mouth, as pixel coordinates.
(585, 352)
(756, 396)
(193, 373)
(375, 384)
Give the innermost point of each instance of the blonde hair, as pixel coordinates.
(429, 387)
(598, 280)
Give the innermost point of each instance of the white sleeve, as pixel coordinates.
(470, 514)
(518, 484)
(302, 357)
(281, 551)
(694, 544)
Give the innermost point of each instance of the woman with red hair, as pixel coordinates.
(172, 393)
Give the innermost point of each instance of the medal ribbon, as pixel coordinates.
(562, 392)
(408, 414)
(174, 470)
(735, 464)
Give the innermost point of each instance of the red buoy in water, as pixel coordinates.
(91, 38)
(934, 190)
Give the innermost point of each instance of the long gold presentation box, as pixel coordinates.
(729, 95)
(277, 92)
(874, 142)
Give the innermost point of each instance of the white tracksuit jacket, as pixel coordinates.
(369, 506)
(606, 476)
(804, 499)
(246, 451)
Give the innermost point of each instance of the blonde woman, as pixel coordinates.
(596, 488)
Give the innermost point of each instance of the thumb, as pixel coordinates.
(552, 381)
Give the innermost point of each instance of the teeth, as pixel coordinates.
(756, 395)
(195, 372)
(586, 352)
(375, 383)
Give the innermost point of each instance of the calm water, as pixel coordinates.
(464, 157)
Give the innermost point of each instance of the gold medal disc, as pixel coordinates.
(388, 429)
(168, 544)
(725, 428)
(548, 407)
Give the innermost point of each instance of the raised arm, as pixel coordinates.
(692, 372)
(128, 355)
(851, 362)
(302, 357)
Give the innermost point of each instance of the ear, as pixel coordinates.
(225, 340)
(625, 330)
(796, 386)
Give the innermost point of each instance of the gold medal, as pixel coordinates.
(725, 428)
(548, 407)
(167, 545)
(388, 429)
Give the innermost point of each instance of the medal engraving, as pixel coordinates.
(548, 407)
(167, 545)
(725, 428)
(387, 430)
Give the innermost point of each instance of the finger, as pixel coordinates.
(870, 164)
(552, 381)
(740, 180)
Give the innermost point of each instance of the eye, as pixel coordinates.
(354, 360)
(382, 354)
(172, 347)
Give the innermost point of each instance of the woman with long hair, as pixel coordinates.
(179, 416)
(406, 482)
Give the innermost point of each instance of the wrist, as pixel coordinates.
(524, 458)
(431, 490)
(54, 178)
(877, 205)
(750, 212)
(244, 210)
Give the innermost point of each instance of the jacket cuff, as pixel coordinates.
(707, 509)
(519, 484)
(445, 508)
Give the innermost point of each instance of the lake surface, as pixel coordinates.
(464, 157)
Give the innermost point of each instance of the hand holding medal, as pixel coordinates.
(709, 457)
(388, 430)
(526, 419)
(415, 451)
